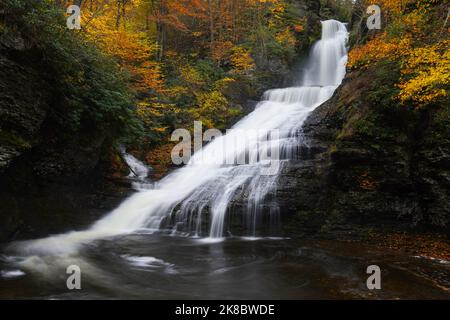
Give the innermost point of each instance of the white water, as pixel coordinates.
(182, 198)
(139, 172)
(137, 168)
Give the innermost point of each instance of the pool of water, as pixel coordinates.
(152, 266)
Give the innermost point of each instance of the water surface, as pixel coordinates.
(156, 266)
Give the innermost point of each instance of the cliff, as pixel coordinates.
(63, 106)
(366, 162)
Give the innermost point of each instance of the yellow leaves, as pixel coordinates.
(191, 76)
(131, 48)
(258, 2)
(150, 111)
(414, 21)
(241, 60)
(222, 84)
(198, 34)
(149, 76)
(286, 37)
(426, 74)
(212, 101)
(145, 107)
(212, 109)
(175, 92)
(425, 70)
(420, 56)
(278, 8)
(424, 58)
(135, 56)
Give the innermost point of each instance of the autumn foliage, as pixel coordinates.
(189, 60)
(416, 36)
(184, 56)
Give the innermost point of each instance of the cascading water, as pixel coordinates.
(206, 186)
(138, 172)
(137, 168)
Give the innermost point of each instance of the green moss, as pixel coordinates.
(383, 89)
(376, 147)
(332, 149)
(11, 139)
(366, 123)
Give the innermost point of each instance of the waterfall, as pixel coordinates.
(138, 169)
(196, 198)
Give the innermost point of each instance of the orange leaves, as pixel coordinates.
(366, 182)
(134, 54)
(220, 50)
(299, 28)
(240, 58)
(159, 158)
(394, 6)
(149, 76)
(422, 245)
(132, 48)
(376, 49)
(189, 8)
(185, 57)
(425, 70)
(178, 14)
(423, 52)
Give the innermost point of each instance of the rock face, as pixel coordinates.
(29, 130)
(365, 163)
(22, 109)
(39, 161)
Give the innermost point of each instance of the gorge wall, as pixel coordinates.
(364, 163)
(47, 172)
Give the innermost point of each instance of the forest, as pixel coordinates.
(91, 92)
(171, 62)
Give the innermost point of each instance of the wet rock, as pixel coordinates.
(46, 173)
(365, 169)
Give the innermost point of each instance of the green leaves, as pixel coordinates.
(87, 86)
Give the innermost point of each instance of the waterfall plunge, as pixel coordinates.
(205, 183)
